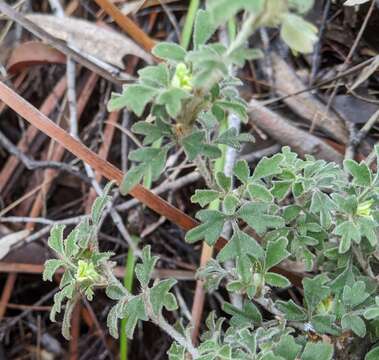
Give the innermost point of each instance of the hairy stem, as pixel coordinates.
(161, 322)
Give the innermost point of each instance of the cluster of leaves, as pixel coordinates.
(296, 208)
(242, 342)
(81, 260)
(300, 211)
(308, 211)
(191, 92)
(148, 305)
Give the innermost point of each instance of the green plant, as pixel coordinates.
(305, 210)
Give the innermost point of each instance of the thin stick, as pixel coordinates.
(71, 96)
(7, 292)
(128, 25)
(109, 171)
(32, 164)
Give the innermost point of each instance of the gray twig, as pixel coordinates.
(32, 164)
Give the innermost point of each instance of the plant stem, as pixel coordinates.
(204, 171)
(166, 327)
(129, 271)
(128, 283)
(247, 29)
(188, 25)
(206, 251)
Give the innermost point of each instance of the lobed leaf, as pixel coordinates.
(240, 244)
(50, 267)
(169, 51)
(204, 197)
(317, 351)
(360, 172)
(276, 252)
(55, 240)
(268, 166)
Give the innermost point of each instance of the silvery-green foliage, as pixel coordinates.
(322, 216)
(186, 96)
(80, 259)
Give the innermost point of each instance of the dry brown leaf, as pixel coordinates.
(7, 241)
(94, 40)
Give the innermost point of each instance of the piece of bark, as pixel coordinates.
(283, 132)
(305, 104)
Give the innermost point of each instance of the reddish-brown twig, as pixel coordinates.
(128, 25)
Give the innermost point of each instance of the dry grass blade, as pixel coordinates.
(109, 171)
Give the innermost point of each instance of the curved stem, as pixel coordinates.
(161, 322)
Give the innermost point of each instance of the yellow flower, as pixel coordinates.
(182, 77)
(325, 306)
(364, 208)
(86, 271)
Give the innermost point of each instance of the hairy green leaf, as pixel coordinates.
(240, 244)
(172, 99)
(55, 240)
(373, 354)
(100, 203)
(210, 230)
(241, 171)
(50, 267)
(144, 270)
(133, 311)
(317, 351)
(160, 296)
(268, 167)
(255, 214)
(135, 97)
(169, 51)
(157, 75)
(204, 197)
(277, 280)
(360, 172)
(287, 348)
(300, 35)
(315, 291)
(276, 252)
(354, 323)
(291, 310)
(355, 295)
(259, 192)
(203, 29)
(132, 178)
